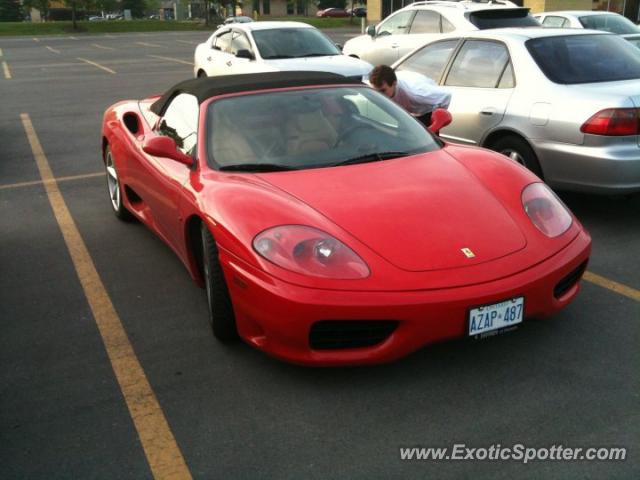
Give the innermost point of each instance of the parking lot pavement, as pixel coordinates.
(231, 412)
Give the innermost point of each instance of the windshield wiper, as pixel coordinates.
(371, 157)
(275, 57)
(256, 167)
(317, 55)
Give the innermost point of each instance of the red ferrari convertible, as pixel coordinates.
(328, 227)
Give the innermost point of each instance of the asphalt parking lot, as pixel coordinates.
(168, 401)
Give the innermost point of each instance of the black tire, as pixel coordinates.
(221, 316)
(202, 74)
(114, 187)
(518, 150)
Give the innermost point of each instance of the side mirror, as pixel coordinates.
(440, 118)
(371, 30)
(165, 147)
(339, 46)
(243, 53)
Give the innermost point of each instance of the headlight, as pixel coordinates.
(545, 210)
(309, 251)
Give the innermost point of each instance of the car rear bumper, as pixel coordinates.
(605, 170)
(277, 317)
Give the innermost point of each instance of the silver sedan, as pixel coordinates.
(564, 103)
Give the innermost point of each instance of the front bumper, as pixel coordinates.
(276, 317)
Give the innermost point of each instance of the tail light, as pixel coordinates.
(545, 210)
(613, 122)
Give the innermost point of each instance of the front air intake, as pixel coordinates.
(569, 281)
(341, 334)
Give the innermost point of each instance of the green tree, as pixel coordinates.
(10, 11)
(322, 4)
(41, 5)
(136, 6)
(76, 5)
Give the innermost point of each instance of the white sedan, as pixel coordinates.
(270, 47)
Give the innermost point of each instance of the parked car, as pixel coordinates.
(328, 226)
(420, 22)
(332, 12)
(358, 12)
(236, 19)
(593, 19)
(97, 18)
(562, 102)
(272, 46)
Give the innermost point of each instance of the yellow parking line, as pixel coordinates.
(619, 288)
(187, 42)
(145, 44)
(52, 49)
(169, 59)
(160, 447)
(97, 65)
(59, 179)
(5, 69)
(102, 46)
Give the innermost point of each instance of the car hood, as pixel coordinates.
(426, 209)
(340, 64)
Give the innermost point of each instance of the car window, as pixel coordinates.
(180, 122)
(293, 42)
(397, 24)
(430, 60)
(479, 63)
(239, 41)
(222, 41)
(446, 25)
(613, 23)
(426, 21)
(503, 17)
(555, 21)
(574, 59)
(311, 128)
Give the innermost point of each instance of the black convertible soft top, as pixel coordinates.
(204, 88)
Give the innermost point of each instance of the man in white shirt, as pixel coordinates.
(417, 94)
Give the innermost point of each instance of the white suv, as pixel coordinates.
(419, 22)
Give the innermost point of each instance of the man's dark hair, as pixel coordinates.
(382, 74)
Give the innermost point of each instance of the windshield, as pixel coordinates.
(585, 58)
(310, 128)
(293, 43)
(613, 23)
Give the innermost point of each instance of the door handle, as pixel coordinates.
(229, 63)
(488, 111)
(395, 45)
(208, 59)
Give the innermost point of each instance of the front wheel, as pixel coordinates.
(114, 187)
(221, 316)
(518, 150)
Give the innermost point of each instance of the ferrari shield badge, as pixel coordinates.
(467, 252)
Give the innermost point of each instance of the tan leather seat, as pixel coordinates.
(309, 132)
(230, 147)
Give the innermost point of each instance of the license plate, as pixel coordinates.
(495, 317)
